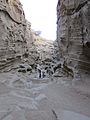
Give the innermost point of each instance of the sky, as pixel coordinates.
(42, 15)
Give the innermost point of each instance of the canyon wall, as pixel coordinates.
(73, 35)
(16, 39)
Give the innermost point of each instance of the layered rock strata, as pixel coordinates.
(15, 34)
(73, 34)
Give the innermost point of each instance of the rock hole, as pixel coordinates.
(88, 44)
(6, 1)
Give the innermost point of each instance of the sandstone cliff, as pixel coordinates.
(73, 35)
(15, 34)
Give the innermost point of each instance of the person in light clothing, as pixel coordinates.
(39, 71)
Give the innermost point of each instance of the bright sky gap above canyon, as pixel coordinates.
(42, 15)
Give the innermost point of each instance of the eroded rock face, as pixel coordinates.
(16, 39)
(12, 30)
(73, 33)
(45, 48)
(31, 47)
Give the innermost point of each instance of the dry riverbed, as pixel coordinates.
(23, 97)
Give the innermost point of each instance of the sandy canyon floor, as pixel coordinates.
(23, 97)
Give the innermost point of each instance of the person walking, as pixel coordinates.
(43, 73)
(39, 71)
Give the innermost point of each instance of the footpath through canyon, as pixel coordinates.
(62, 90)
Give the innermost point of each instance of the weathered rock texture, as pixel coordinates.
(73, 34)
(31, 47)
(15, 33)
(45, 48)
(12, 28)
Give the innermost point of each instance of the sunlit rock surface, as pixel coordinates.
(12, 29)
(15, 34)
(45, 47)
(73, 35)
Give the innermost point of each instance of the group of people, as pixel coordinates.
(41, 71)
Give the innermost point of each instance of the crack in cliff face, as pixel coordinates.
(80, 6)
(54, 113)
(75, 9)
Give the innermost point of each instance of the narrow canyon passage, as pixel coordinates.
(42, 79)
